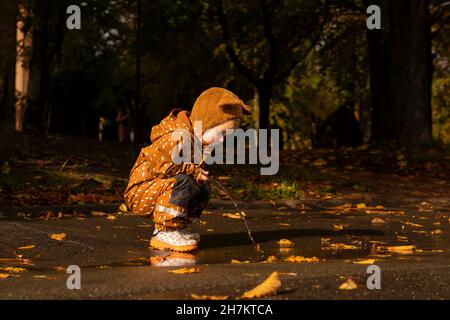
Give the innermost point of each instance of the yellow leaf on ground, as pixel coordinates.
(287, 274)
(361, 206)
(16, 261)
(366, 261)
(58, 236)
(232, 215)
(268, 288)
(237, 261)
(13, 269)
(348, 285)
(401, 249)
(5, 275)
(50, 215)
(111, 217)
(186, 270)
(338, 227)
(123, 208)
(342, 246)
(413, 224)
(31, 246)
(301, 259)
(206, 297)
(378, 221)
(436, 232)
(285, 243)
(272, 259)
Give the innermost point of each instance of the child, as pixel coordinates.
(175, 194)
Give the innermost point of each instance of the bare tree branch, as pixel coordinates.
(296, 61)
(273, 45)
(229, 48)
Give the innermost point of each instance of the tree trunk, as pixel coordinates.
(39, 66)
(22, 70)
(400, 74)
(7, 59)
(136, 115)
(264, 97)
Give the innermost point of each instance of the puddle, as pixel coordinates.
(312, 235)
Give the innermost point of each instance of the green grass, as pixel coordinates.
(284, 189)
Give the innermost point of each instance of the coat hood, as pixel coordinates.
(216, 106)
(177, 119)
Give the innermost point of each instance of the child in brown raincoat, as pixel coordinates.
(175, 194)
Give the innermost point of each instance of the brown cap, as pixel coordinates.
(216, 106)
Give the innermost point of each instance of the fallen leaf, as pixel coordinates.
(386, 212)
(287, 274)
(50, 215)
(111, 217)
(31, 246)
(436, 232)
(206, 297)
(268, 288)
(338, 227)
(401, 249)
(237, 261)
(348, 285)
(16, 261)
(186, 270)
(232, 215)
(378, 221)
(5, 275)
(272, 259)
(58, 236)
(413, 224)
(361, 206)
(13, 269)
(341, 246)
(123, 208)
(366, 261)
(300, 259)
(285, 243)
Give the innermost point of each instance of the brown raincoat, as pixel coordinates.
(167, 190)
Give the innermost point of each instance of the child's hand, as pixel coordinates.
(202, 176)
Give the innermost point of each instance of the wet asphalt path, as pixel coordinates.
(116, 262)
